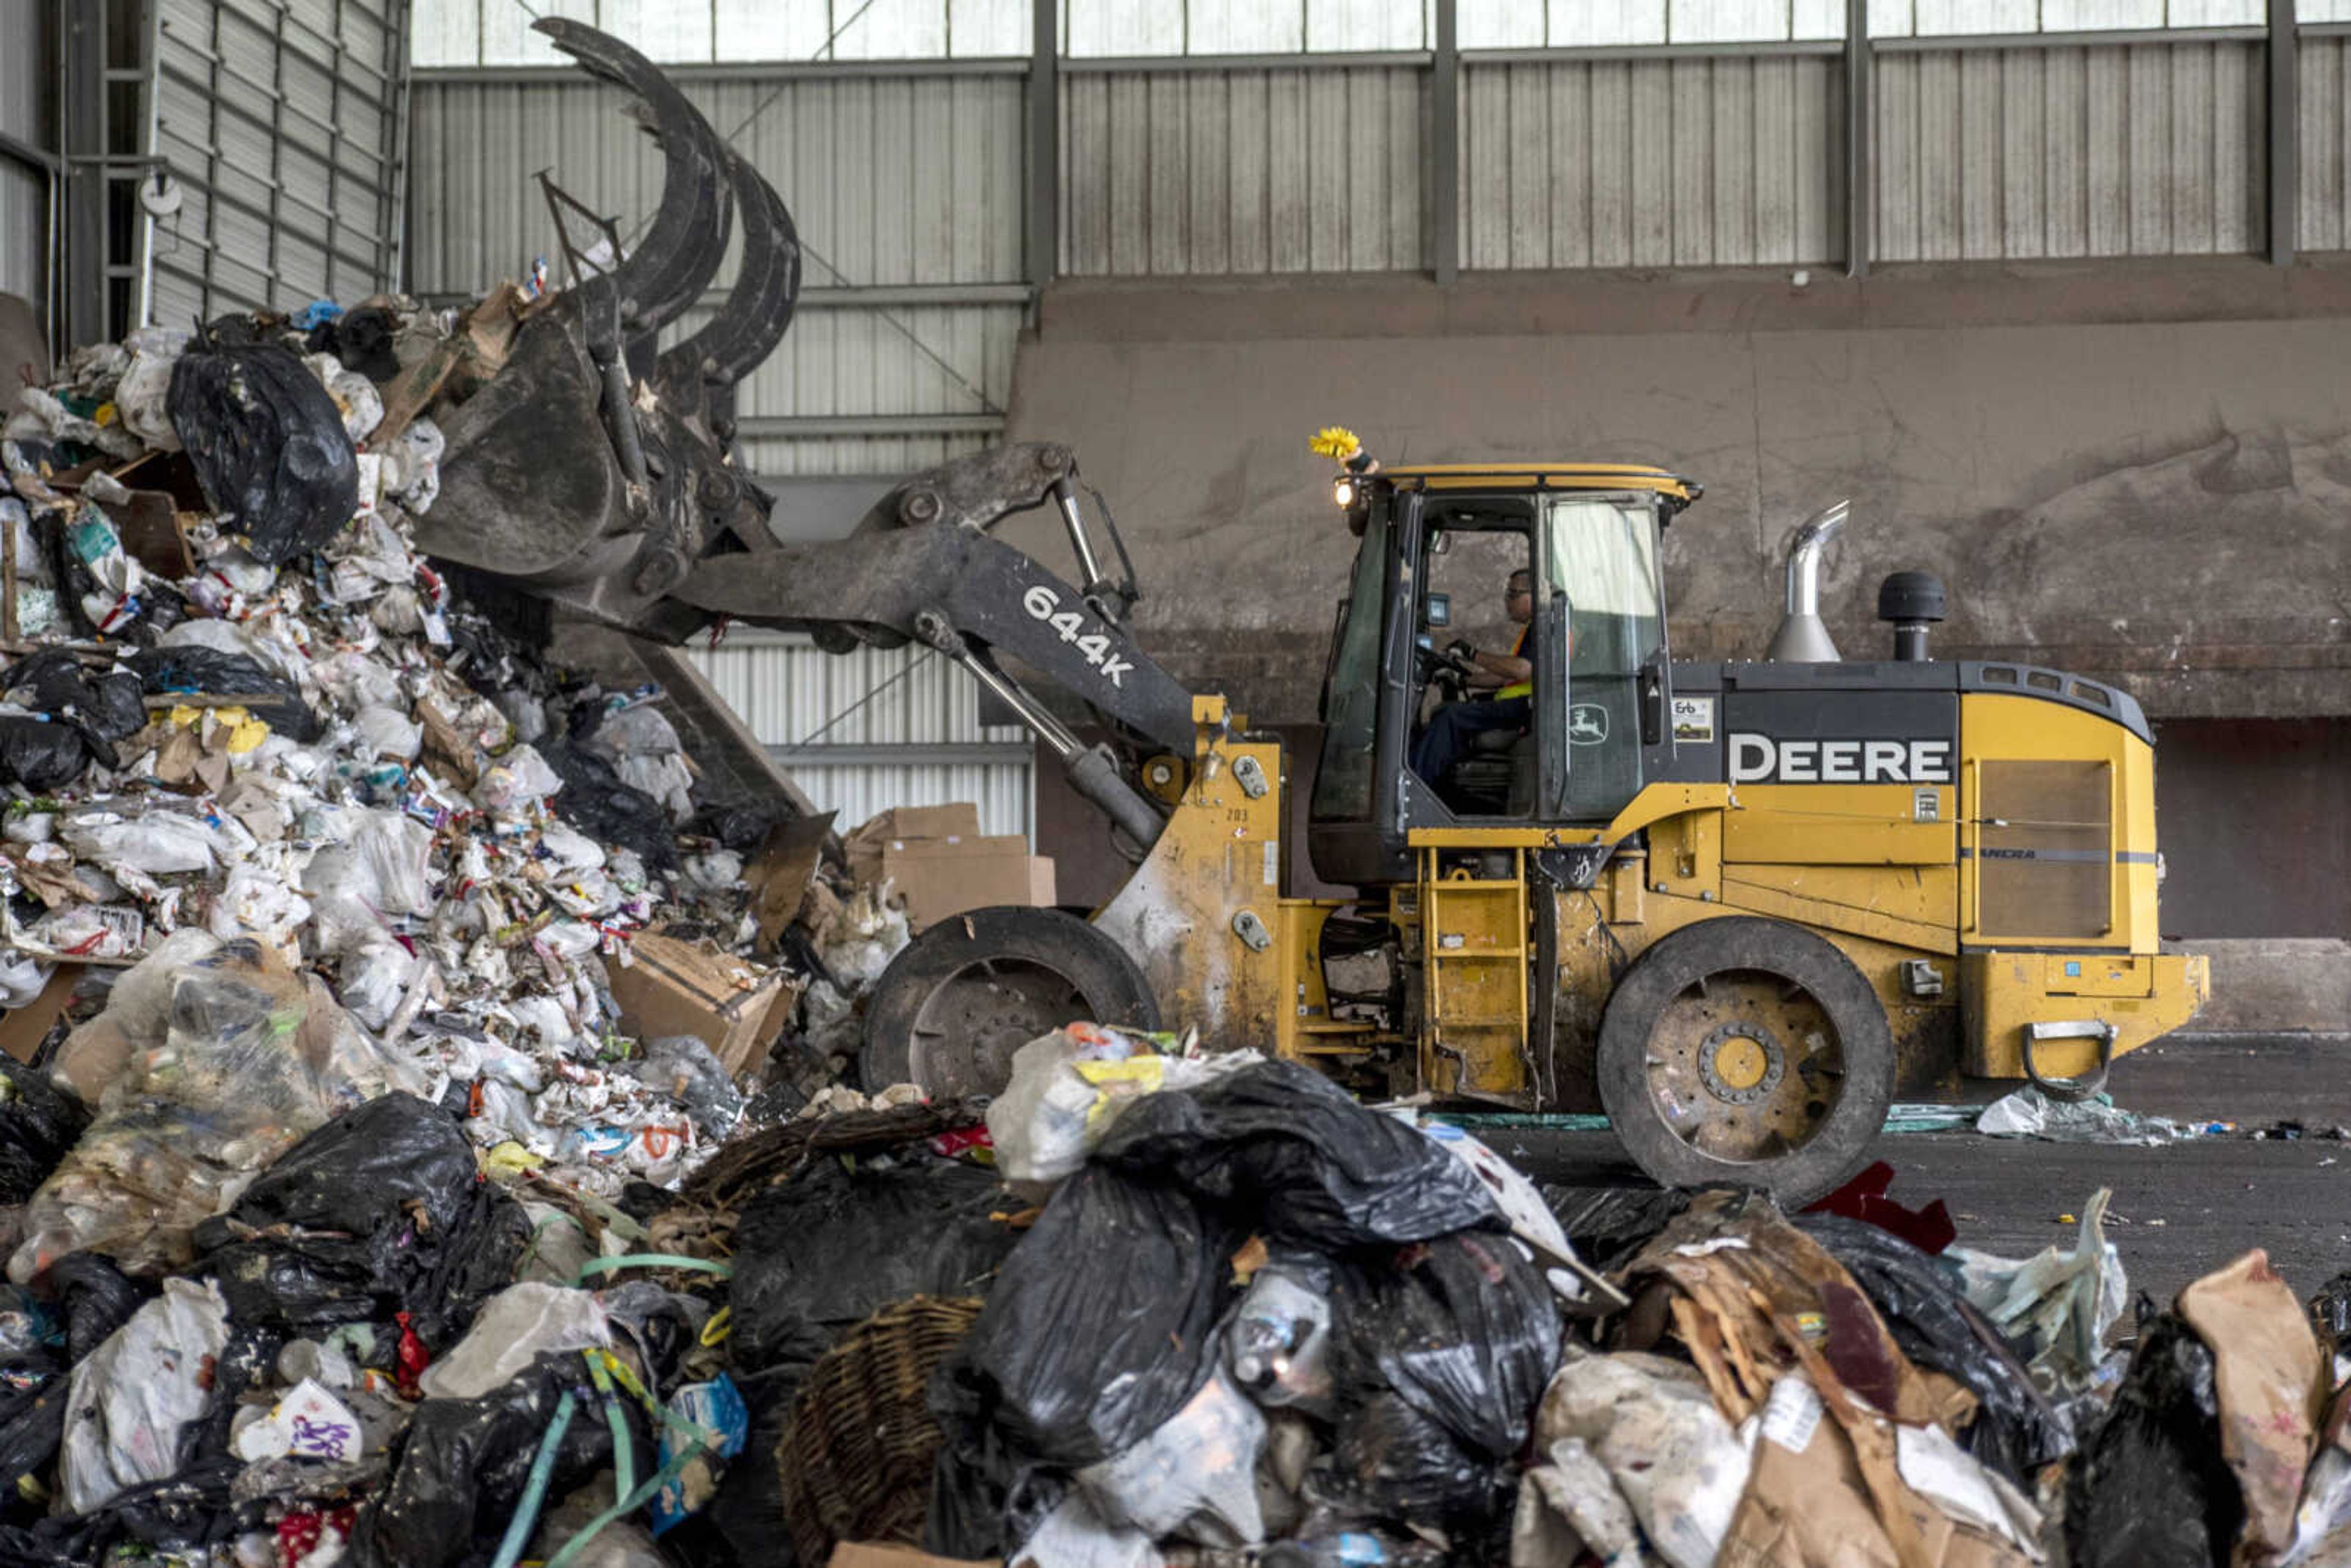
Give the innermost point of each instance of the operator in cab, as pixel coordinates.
(1453, 729)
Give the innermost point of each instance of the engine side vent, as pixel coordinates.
(2045, 848)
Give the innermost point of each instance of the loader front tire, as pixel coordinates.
(1747, 1053)
(960, 998)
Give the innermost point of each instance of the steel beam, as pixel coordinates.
(902, 754)
(1445, 146)
(1042, 203)
(2080, 38)
(741, 70)
(1859, 136)
(85, 285)
(835, 424)
(2284, 108)
(1176, 65)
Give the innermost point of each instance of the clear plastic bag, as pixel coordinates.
(253, 1057)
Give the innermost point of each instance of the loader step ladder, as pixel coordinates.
(1474, 947)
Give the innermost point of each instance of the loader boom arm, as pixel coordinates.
(921, 565)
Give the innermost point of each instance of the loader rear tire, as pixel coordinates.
(1746, 1052)
(953, 1006)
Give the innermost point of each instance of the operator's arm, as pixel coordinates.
(1496, 671)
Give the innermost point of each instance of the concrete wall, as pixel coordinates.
(2140, 471)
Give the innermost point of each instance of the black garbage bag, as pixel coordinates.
(54, 680)
(266, 695)
(1281, 1150)
(743, 1525)
(102, 705)
(824, 1252)
(1099, 1327)
(94, 1298)
(191, 1510)
(2016, 1430)
(2330, 1312)
(267, 445)
(380, 1210)
(362, 339)
(32, 1426)
(41, 756)
(2149, 1488)
(38, 1123)
(1391, 1461)
(460, 1467)
(595, 801)
(1463, 1329)
(1608, 1225)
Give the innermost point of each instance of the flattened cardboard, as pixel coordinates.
(780, 873)
(879, 1554)
(22, 1029)
(671, 986)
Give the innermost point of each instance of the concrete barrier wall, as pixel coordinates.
(2141, 472)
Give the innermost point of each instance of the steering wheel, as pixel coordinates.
(1449, 668)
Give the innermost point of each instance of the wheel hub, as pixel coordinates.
(1740, 1063)
(968, 1028)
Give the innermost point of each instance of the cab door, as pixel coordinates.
(1601, 690)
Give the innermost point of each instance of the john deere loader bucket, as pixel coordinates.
(585, 483)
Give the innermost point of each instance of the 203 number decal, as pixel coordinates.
(1044, 604)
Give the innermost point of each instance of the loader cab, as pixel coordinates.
(1437, 545)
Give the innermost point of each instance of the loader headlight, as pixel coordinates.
(1343, 490)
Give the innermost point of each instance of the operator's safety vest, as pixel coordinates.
(1517, 651)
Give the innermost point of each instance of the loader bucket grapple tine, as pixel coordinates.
(686, 237)
(758, 308)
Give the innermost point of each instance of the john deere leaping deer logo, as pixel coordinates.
(1587, 724)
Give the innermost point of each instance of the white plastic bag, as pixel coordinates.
(159, 844)
(1655, 1427)
(380, 871)
(1069, 1087)
(517, 1324)
(131, 1397)
(518, 781)
(1195, 1476)
(387, 732)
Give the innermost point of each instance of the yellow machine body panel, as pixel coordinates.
(1201, 915)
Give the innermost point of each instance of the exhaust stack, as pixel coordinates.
(1801, 639)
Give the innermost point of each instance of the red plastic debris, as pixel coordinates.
(410, 1361)
(1929, 1229)
(302, 1532)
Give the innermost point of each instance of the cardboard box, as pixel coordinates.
(957, 823)
(670, 986)
(939, 877)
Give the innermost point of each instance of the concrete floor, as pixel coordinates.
(2178, 1210)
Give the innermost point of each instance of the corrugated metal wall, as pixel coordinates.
(2325, 171)
(864, 731)
(27, 113)
(892, 180)
(1724, 162)
(281, 120)
(2150, 149)
(1245, 170)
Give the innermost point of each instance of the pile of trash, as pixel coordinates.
(364, 971)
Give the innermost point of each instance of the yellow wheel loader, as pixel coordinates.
(1737, 905)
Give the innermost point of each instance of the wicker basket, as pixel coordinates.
(856, 1458)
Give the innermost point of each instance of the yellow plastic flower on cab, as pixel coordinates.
(1335, 441)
